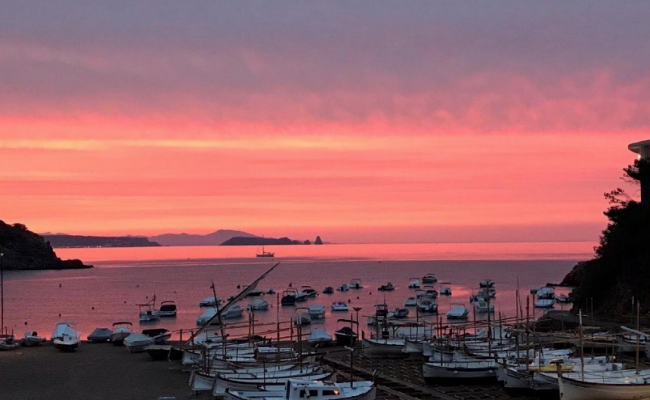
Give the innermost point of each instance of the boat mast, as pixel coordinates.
(2, 295)
(638, 337)
(582, 348)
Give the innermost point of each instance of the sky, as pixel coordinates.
(363, 121)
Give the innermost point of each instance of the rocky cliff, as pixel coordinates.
(25, 250)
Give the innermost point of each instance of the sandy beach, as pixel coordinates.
(94, 371)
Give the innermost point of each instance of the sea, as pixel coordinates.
(122, 278)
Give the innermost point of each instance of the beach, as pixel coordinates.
(94, 371)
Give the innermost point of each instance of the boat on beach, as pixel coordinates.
(32, 339)
(65, 338)
(120, 331)
(100, 335)
(295, 389)
(137, 342)
(8, 342)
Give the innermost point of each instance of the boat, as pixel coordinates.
(545, 303)
(562, 298)
(167, 309)
(546, 293)
(254, 293)
(472, 370)
(343, 288)
(265, 254)
(148, 312)
(164, 352)
(32, 339)
(339, 306)
(317, 311)
(414, 283)
(302, 317)
(355, 284)
(389, 287)
(100, 335)
(614, 385)
(410, 302)
(487, 292)
(230, 382)
(120, 331)
(457, 311)
(270, 291)
(289, 297)
(64, 337)
(309, 291)
(233, 311)
(486, 283)
(258, 304)
(446, 289)
(210, 301)
(319, 337)
(316, 390)
(426, 303)
(136, 342)
(429, 278)
(159, 335)
(399, 313)
(383, 347)
(7, 342)
(482, 306)
(346, 337)
(328, 290)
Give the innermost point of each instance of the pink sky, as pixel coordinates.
(359, 122)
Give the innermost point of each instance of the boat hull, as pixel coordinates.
(484, 371)
(65, 345)
(576, 390)
(383, 348)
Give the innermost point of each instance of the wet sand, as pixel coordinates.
(94, 371)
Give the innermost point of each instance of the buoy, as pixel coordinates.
(25, 322)
(93, 308)
(349, 301)
(59, 314)
(238, 286)
(60, 285)
(357, 297)
(124, 301)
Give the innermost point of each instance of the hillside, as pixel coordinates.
(620, 270)
(259, 241)
(211, 239)
(25, 250)
(62, 240)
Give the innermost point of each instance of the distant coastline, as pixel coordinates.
(78, 241)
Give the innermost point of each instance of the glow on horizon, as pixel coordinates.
(426, 123)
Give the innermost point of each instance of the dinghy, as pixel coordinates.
(317, 311)
(32, 339)
(7, 342)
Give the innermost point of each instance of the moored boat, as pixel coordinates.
(120, 331)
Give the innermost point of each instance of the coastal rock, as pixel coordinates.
(318, 240)
(25, 250)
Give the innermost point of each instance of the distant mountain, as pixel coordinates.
(211, 239)
(259, 241)
(23, 249)
(63, 240)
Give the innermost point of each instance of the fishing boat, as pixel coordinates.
(429, 278)
(317, 311)
(472, 370)
(389, 287)
(64, 337)
(316, 390)
(289, 297)
(252, 381)
(32, 339)
(265, 254)
(100, 335)
(414, 283)
(120, 331)
(343, 288)
(328, 290)
(339, 306)
(309, 291)
(482, 306)
(614, 385)
(258, 304)
(210, 301)
(137, 342)
(167, 309)
(457, 311)
(355, 284)
(148, 312)
(319, 337)
(385, 347)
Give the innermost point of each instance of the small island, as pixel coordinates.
(23, 249)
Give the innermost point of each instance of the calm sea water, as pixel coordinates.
(122, 278)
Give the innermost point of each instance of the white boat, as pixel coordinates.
(343, 288)
(389, 287)
(210, 301)
(413, 346)
(7, 342)
(465, 370)
(317, 311)
(482, 306)
(378, 347)
(136, 342)
(233, 311)
(258, 304)
(414, 283)
(64, 337)
(167, 309)
(302, 317)
(355, 284)
(544, 303)
(120, 331)
(446, 289)
(614, 385)
(316, 390)
(457, 311)
(148, 312)
(251, 382)
(100, 335)
(427, 304)
(410, 302)
(545, 293)
(319, 336)
(339, 306)
(32, 339)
